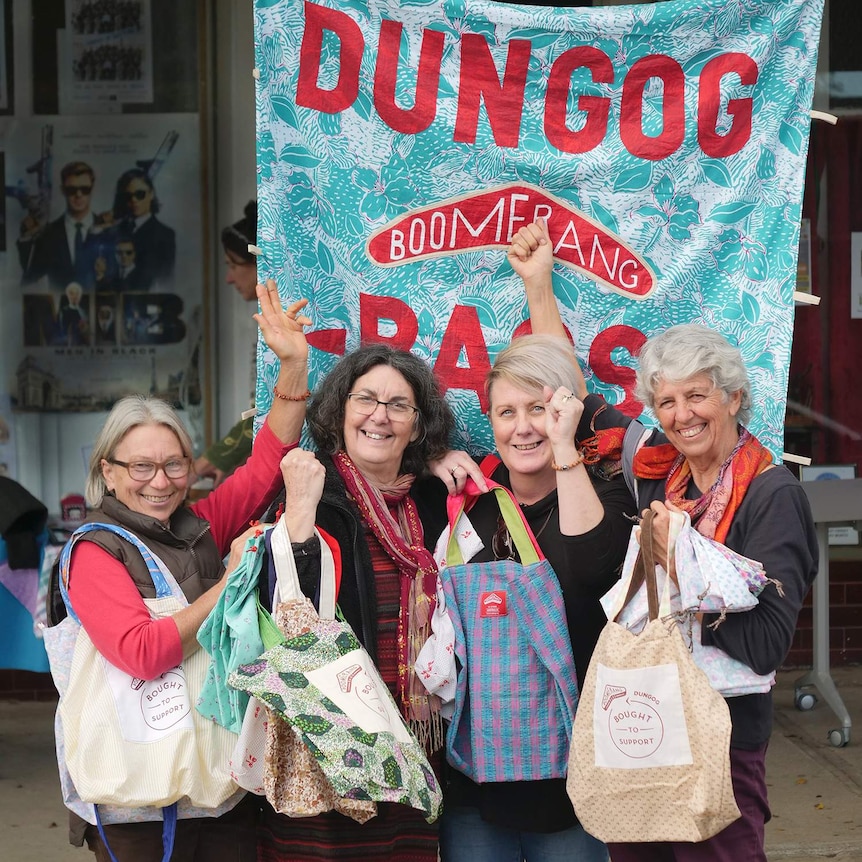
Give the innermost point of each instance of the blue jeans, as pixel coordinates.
(465, 837)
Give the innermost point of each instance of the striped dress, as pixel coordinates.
(398, 833)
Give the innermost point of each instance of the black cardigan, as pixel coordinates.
(338, 516)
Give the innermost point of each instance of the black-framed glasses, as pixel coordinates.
(143, 471)
(365, 405)
(137, 194)
(71, 191)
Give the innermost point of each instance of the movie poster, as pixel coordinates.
(105, 55)
(103, 263)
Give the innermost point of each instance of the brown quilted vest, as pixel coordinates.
(186, 547)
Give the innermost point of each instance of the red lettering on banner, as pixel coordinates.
(416, 119)
(596, 108)
(464, 333)
(309, 94)
(489, 219)
(479, 81)
(328, 340)
(504, 103)
(673, 108)
(464, 337)
(373, 309)
(709, 101)
(606, 369)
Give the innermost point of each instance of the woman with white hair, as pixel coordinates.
(139, 477)
(703, 460)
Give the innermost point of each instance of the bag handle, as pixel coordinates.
(163, 581)
(644, 568)
(287, 586)
(522, 536)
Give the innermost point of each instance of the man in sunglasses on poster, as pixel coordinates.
(68, 248)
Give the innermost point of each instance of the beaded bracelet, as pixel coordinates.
(570, 466)
(284, 397)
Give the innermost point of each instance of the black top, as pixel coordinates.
(587, 566)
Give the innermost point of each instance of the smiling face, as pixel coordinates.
(376, 443)
(697, 418)
(242, 275)
(518, 422)
(160, 496)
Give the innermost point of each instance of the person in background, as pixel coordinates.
(135, 214)
(225, 455)
(73, 319)
(703, 460)
(124, 275)
(376, 420)
(138, 479)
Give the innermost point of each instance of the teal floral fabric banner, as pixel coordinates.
(401, 144)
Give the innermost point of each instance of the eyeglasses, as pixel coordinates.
(71, 191)
(137, 194)
(143, 471)
(397, 411)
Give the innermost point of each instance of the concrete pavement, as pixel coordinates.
(815, 790)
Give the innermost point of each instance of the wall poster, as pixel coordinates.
(106, 52)
(103, 264)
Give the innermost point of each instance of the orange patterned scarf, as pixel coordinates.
(711, 513)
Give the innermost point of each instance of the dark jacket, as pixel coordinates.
(338, 516)
(48, 254)
(155, 252)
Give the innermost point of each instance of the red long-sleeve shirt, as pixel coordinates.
(106, 599)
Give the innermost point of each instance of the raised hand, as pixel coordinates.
(303, 478)
(563, 411)
(531, 252)
(282, 328)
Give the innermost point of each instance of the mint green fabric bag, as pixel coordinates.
(231, 634)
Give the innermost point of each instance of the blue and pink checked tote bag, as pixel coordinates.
(517, 689)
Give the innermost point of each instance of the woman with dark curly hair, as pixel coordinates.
(376, 420)
(135, 208)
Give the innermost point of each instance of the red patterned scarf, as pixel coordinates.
(403, 540)
(711, 513)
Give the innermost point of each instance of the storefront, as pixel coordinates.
(122, 109)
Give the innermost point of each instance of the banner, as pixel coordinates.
(401, 145)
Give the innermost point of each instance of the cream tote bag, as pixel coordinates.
(650, 753)
(133, 742)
